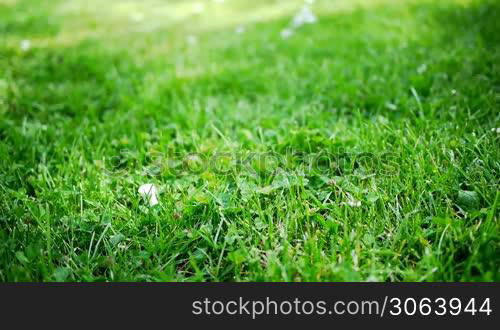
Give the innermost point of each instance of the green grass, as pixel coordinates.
(402, 96)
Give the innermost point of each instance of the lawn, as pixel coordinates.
(288, 140)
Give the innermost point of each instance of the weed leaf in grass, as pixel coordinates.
(468, 200)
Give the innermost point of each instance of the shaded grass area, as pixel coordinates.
(97, 107)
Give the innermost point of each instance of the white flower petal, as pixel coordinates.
(149, 192)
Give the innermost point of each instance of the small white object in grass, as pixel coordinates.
(354, 203)
(304, 16)
(25, 45)
(422, 68)
(286, 33)
(497, 130)
(149, 192)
